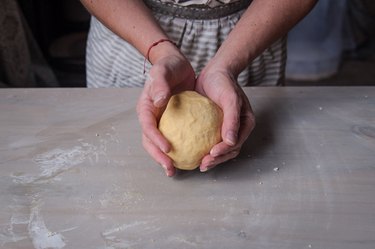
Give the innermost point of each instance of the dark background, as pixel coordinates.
(60, 28)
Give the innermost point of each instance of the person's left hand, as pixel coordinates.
(221, 86)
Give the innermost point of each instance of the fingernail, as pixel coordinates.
(169, 174)
(204, 170)
(165, 169)
(158, 100)
(207, 168)
(231, 138)
(165, 149)
(214, 152)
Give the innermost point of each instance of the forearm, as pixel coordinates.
(132, 21)
(263, 23)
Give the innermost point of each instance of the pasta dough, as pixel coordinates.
(192, 124)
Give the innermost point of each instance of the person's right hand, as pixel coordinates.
(169, 75)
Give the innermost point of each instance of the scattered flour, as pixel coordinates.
(41, 236)
(54, 162)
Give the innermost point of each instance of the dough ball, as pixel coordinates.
(192, 124)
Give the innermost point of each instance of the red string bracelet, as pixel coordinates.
(147, 58)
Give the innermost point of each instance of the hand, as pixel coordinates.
(221, 87)
(169, 75)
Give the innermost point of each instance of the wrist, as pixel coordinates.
(226, 65)
(162, 49)
(230, 62)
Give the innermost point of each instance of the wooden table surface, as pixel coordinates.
(73, 174)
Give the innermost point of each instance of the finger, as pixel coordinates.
(231, 106)
(159, 89)
(159, 156)
(247, 123)
(209, 162)
(148, 122)
(221, 148)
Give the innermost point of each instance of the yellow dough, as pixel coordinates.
(192, 124)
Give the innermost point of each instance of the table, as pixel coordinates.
(73, 174)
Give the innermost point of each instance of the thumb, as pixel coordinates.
(160, 91)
